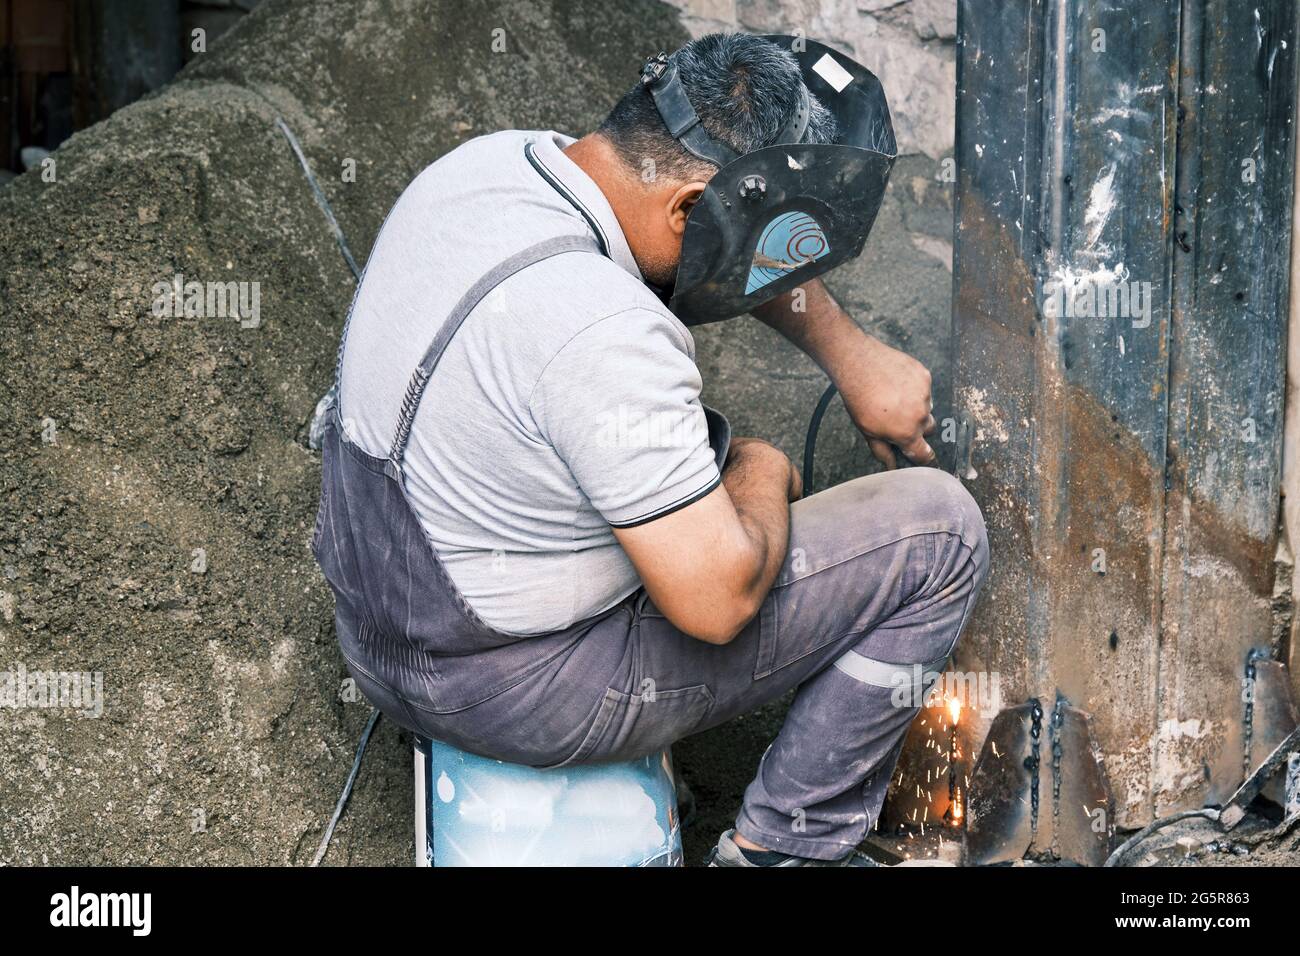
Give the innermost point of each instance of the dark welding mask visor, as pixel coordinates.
(774, 218)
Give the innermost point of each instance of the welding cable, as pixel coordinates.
(319, 195)
(347, 789)
(810, 442)
(1114, 859)
(337, 230)
(330, 398)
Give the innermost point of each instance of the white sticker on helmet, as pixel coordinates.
(834, 74)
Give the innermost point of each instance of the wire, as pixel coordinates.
(336, 229)
(810, 442)
(319, 195)
(1113, 860)
(347, 789)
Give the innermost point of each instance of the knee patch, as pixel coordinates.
(910, 682)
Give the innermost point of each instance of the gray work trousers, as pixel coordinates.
(881, 575)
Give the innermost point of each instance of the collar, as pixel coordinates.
(546, 155)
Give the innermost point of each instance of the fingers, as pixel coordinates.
(884, 452)
(930, 425)
(919, 451)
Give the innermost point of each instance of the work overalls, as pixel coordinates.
(880, 577)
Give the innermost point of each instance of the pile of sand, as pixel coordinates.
(156, 491)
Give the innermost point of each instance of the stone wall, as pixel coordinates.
(908, 44)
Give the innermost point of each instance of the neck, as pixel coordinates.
(623, 190)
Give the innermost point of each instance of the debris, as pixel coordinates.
(1115, 858)
(1292, 805)
(1235, 808)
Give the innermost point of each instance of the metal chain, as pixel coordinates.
(1032, 761)
(1058, 718)
(1248, 719)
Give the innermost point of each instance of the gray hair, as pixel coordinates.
(744, 90)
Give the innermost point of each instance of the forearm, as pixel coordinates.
(810, 317)
(758, 481)
(886, 392)
(709, 566)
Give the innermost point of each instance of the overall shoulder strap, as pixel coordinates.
(490, 280)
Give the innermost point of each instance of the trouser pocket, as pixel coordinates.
(634, 725)
(777, 649)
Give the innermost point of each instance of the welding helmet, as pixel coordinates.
(776, 217)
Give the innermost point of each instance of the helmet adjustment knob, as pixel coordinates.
(753, 188)
(653, 69)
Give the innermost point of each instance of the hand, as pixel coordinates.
(887, 394)
(756, 453)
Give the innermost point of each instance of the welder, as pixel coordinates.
(517, 579)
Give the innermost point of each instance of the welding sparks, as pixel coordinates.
(954, 813)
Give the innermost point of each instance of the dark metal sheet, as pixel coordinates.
(1132, 535)
(1227, 357)
(1065, 185)
(1074, 818)
(999, 824)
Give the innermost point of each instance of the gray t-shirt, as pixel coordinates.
(567, 402)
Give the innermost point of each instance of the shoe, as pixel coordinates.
(727, 853)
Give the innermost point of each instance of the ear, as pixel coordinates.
(681, 203)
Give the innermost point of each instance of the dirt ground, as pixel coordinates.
(156, 491)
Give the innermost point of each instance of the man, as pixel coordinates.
(545, 550)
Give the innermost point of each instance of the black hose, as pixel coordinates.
(1116, 858)
(347, 789)
(810, 443)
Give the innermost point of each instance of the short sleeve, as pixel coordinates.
(620, 403)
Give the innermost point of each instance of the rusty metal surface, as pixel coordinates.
(1123, 579)
(999, 827)
(1273, 716)
(1234, 810)
(1082, 815)
(1068, 431)
(1227, 375)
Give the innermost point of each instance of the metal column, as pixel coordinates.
(1121, 253)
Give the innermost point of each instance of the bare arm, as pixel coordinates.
(709, 566)
(886, 392)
